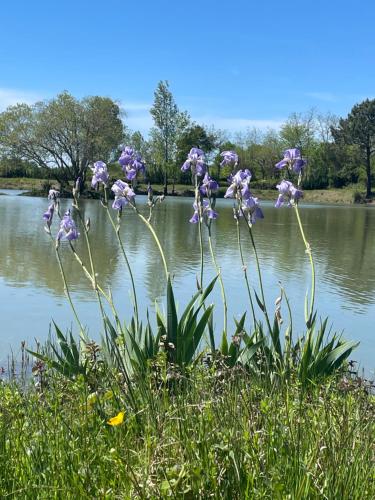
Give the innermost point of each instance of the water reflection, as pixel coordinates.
(342, 238)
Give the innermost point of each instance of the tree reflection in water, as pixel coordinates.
(342, 239)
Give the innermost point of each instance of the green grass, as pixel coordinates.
(334, 196)
(23, 183)
(214, 433)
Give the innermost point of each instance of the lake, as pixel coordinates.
(342, 239)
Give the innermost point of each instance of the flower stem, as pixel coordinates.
(218, 271)
(199, 209)
(117, 231)
(245, 272)
(82, 333)
(93, 273)
(258, 271)
(100, 289)
(201, 253)
(155, 236)
(308, 251)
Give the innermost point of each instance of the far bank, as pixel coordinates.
(345, 196)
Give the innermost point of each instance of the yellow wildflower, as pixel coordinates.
(117, 420)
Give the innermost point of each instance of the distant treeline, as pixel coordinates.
(60, 138)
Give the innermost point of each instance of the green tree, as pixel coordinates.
(359, 129)
(267, 154)
(170, 123)
(65, 134)
(299, 132)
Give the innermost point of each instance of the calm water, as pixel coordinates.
(342, 238)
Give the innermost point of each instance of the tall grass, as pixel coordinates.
(212, 433)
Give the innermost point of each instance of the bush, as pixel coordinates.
(358, 197)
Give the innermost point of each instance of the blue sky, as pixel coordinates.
(230, 64)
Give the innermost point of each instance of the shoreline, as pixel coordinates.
(334, 196)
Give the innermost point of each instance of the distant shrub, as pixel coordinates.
(358, 197)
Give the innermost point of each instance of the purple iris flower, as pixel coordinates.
(131, 163)
(207, 212)
(195, 217)
(251, 209)
(53, 195)
(100, 174)
(68, 228)
(195, 162)
(229, 158)
(138, 163)
(242, 175)
(208, 186)
(240, 189)
(288, 194)
(48, 216)
(240, 183)
(292, 159)
(126, 155)
(123, 195)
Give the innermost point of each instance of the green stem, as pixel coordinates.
(308, 251)
(245, 272)
(82, 333)
(117, 229)
(201, 253)
(218, 271)
(199, 209)
(258, 271)
(155, 236)
(88, 275)
(93, 273)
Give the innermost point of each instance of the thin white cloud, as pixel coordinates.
(135, 106)
(137, 115)
(322, 96)
(138, 118)
(10, 97)
(139, 121)
(233, 124)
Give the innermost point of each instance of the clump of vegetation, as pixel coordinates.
(58, 139)
(150, 413)
(358, 197)
(212, 432)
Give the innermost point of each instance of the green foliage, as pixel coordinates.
(182, 336)
(317, 359)
(359, 129)
(170, 123)
(13, 167)
(226, 434)
(65, 134)
(64, 358)
(299, 132)
(233, 353)
(272, 355)
(128, 349)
